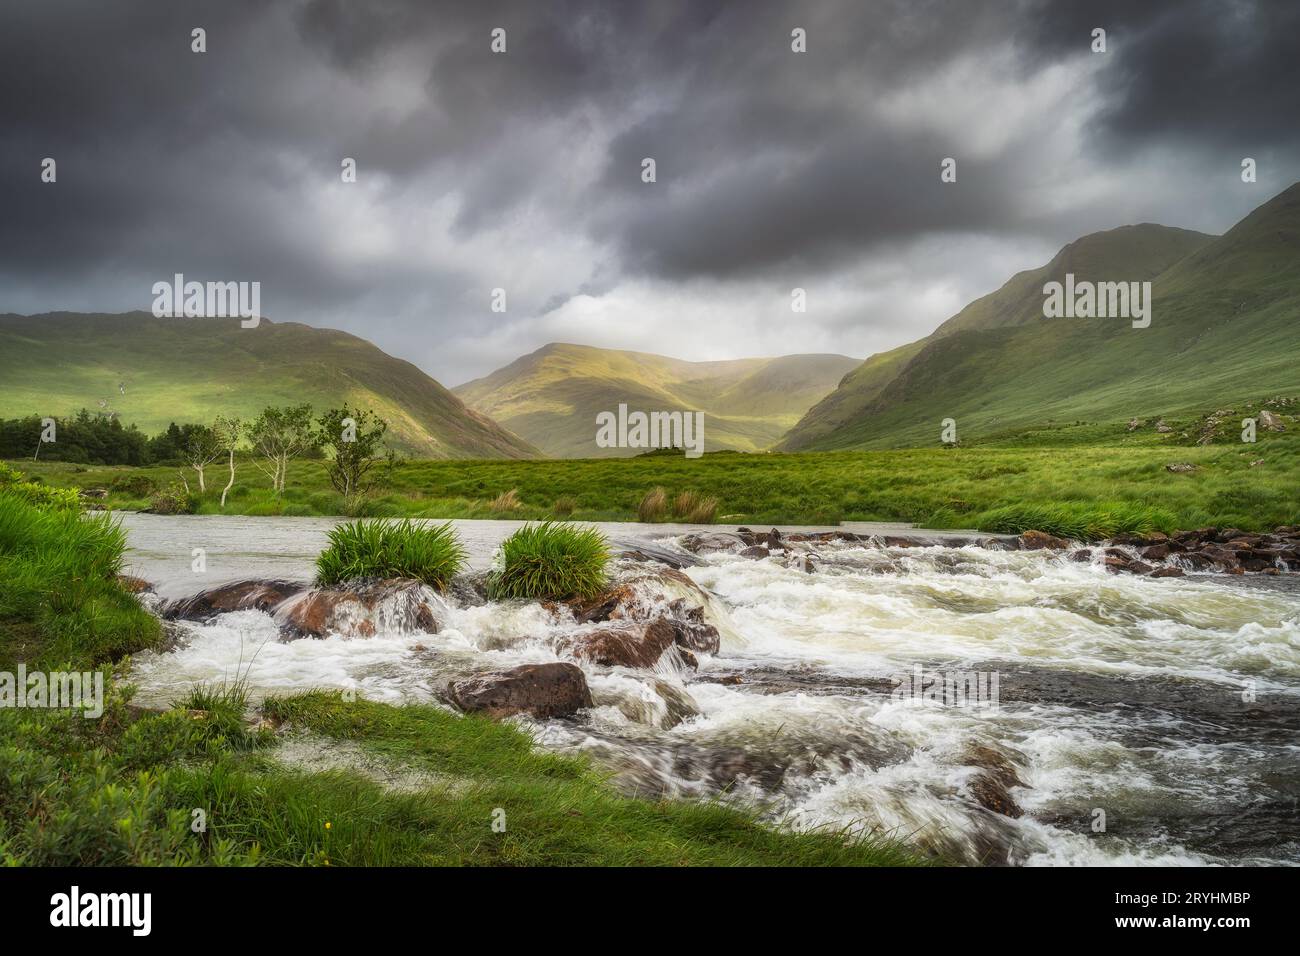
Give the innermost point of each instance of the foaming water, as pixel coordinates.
(1138, 720)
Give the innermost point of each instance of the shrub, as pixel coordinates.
(173, 500)
(391, 549)
(506, 501)
(653, 506)
(565, 506)
(550, 561)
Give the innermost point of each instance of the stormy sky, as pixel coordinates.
(478, 170)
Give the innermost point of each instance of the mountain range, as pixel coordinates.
(1225, 327)
(551, 397)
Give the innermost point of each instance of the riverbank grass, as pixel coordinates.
(59, 597)
(550, 561)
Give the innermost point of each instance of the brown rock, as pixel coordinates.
(234, 596)
(542, 690)
(350, 610)
(757, 551)
(1167, 573)
(625, 644)
(991, 794)
(1038, 540)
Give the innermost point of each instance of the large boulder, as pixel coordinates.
(233, 596)
(1270, 422)
(540, 690)
(398, 604)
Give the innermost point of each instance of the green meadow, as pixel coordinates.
(1071, 468)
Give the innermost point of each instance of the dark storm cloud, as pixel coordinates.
(523, 170)
(1205, 71)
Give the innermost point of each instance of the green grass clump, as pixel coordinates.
(550, 561)
(1078, 522)
(375, 548)
(59, 597)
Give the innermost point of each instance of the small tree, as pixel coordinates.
(355, 440)
(278, 435)
(228, 432)
(202, 447)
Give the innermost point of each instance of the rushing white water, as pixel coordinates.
(1171, 706)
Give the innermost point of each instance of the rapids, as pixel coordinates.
(1167, 708)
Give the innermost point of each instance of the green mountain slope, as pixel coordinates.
(154, 371)
(1225, 328)
(551, 397)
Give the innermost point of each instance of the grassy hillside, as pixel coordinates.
(552, 396)
(1224, 331)
(154, 371)
(856, 412)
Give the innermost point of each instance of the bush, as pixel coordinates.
(36, 493)
(387, 549)
(565, 506)
(550, 561)
(652, 506)
(174, 500)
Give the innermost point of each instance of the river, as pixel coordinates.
(1141, 721)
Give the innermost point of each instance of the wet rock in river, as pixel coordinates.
(654, 594)
(1040, 540)
(622, 643)
(398, 604)
(712, 542)
(234, 596)
(540, 690)
(991, 794)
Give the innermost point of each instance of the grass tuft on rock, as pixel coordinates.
(375, 548)
(550, 561)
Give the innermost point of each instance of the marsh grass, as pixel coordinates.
(506, 501)
(376, 548)
(653, 506)
(550, 561)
